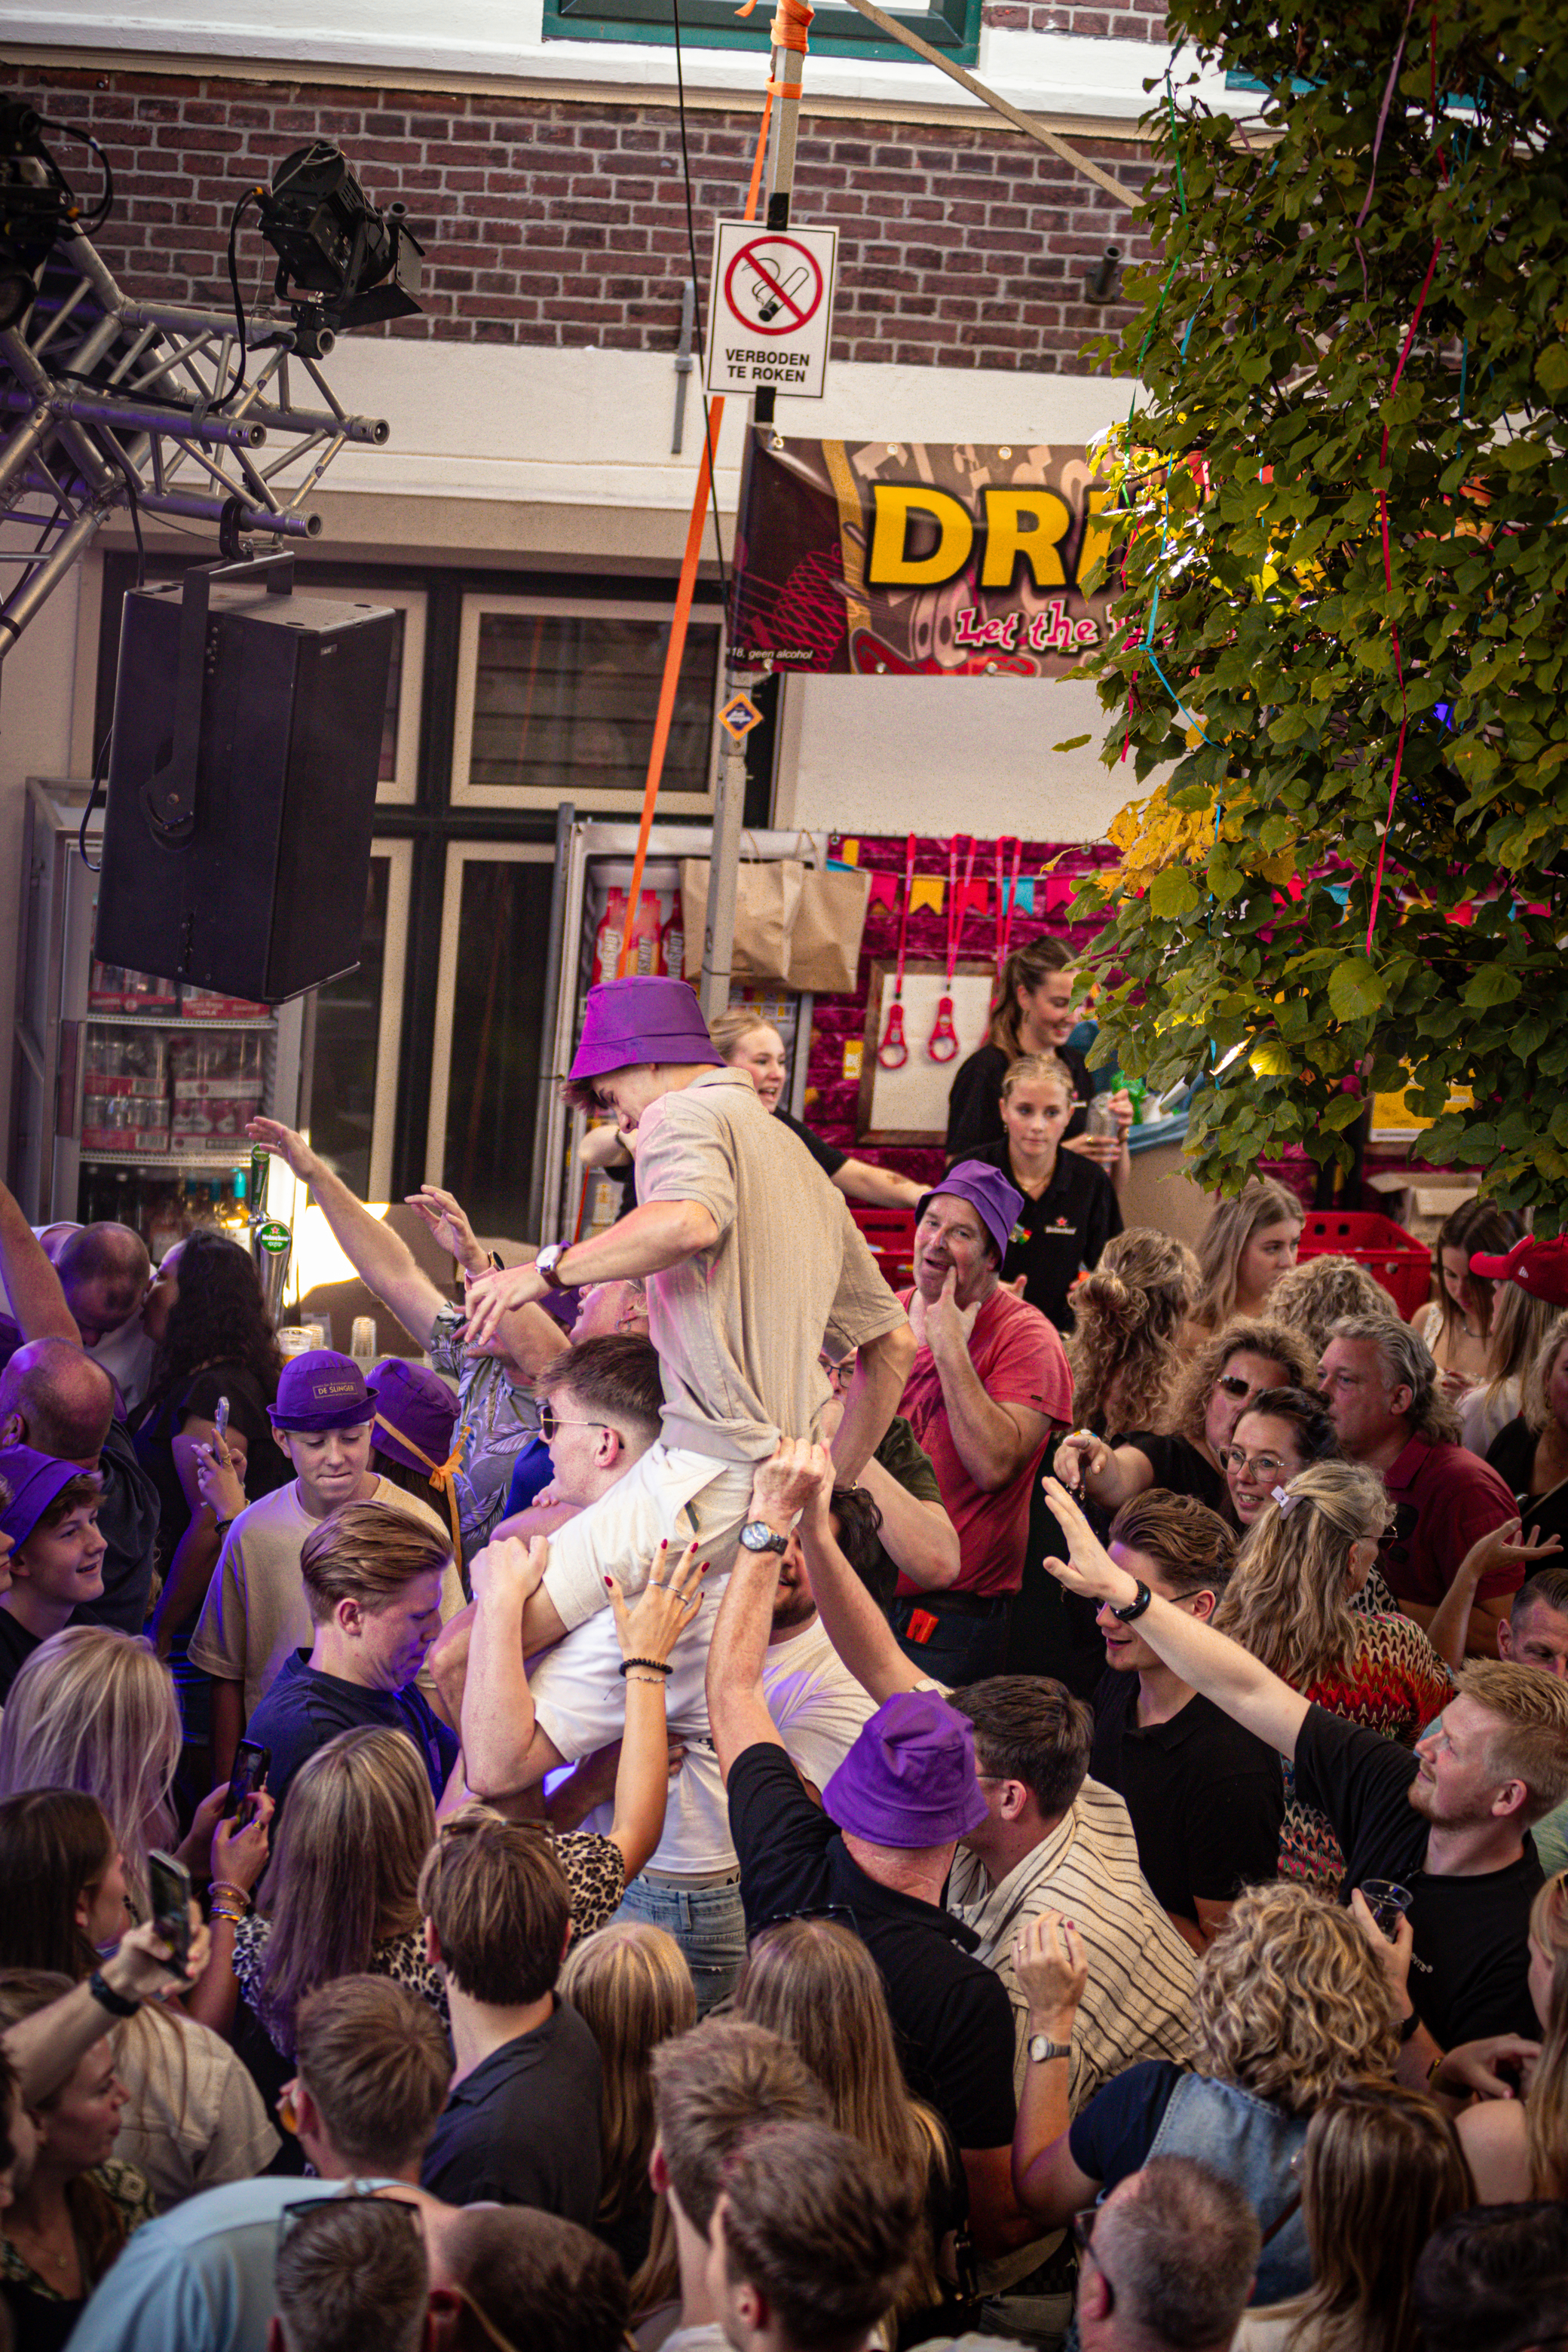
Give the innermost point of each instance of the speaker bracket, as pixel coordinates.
(169, 798)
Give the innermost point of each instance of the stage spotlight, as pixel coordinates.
(341, 262)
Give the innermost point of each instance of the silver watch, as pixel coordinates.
(547, 1261)
(1040, 2048)
(757, 1536)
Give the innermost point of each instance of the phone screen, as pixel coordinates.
(170, 1885)
(251, 1764)
(220, 1417)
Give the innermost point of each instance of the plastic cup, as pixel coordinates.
(1388, 1901)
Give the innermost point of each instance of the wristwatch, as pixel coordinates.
(117, 2003)
(1040, 2048)
(1136, 1606)
(757, 1536)
(547, 1261)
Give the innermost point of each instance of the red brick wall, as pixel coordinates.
(1110, 22)
(562, 224)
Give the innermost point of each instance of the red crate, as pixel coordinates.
(890, 1238)
(1390, 1254)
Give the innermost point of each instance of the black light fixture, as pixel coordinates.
(37, 203)
(342, 261)
(1100, 285)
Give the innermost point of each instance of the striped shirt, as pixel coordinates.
(1138, 2002)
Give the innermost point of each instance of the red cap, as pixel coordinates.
(1539, 1267)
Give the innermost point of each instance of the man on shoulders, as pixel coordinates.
(1450, 1821)
(989, 1386)
(1385, 1399)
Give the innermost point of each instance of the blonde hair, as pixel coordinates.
(728, 1028)
(1125, 1350)
(357, 1827)
(814, 1984)
(1288, 1602)
(1039, 1070)
(1533, 1402)
(1546, 2101)
(1531, 1741)
(95, 1710)
(1290, 2000)
(1275, 1342)
(368, 1553)
(631, 1985)
(1519, 1325)
(1260, 1203)
(1382, 2170)
(1319, 1292)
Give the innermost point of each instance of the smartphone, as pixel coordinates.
(220, 1418)
(252, 1762)
(170, 1884)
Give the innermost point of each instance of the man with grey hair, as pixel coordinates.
(1168, 2261)
(1383, 1398)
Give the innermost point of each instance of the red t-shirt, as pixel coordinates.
(1020, 1361)
(1445, 1500)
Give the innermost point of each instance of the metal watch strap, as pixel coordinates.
(769, 1541)
(1042, 2051)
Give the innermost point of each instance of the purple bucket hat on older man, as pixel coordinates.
(645, 1019)
(909, 1780)
(999, 1201)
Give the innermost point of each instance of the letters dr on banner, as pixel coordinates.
(769, 312)
(908, 559)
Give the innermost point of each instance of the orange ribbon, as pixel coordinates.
(439, 1473)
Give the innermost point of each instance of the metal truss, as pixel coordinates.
(105, 404)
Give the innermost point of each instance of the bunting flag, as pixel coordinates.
(930, 890)
(884, 891)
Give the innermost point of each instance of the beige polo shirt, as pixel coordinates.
(255, 1613)
(738, 1327)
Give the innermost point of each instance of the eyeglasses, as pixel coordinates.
(1082, 2227)
(1266, 1465)
(840, 1912)
(550, 1421)
(290, 2217)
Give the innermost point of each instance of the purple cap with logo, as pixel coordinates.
(321, 1390)
(997, 1198)
(909, 1780)
(641, 1020)
(34, 1479)
(416, 1414)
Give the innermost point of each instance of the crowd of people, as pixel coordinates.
(730, 1806)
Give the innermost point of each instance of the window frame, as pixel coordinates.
(459, 856)
(952, 26)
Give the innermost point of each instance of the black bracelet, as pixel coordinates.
(657, 1665)
(1136, 1606)
(104, 1994)
(1408, 2028)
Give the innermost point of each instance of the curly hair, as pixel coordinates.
(1125, 1350)
(1261, 1202)
(1408, 1362)
(1290, 2000)
(1313, 1297)
(1275, 1342)
(219, 1316)
(1533, 1402)
(1546, 2101)
(1288, 1603)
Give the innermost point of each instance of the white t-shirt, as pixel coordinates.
(256, 1613)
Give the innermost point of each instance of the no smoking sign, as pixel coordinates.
(771, 309)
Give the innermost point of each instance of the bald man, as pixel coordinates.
(105, 1273)
(53, 1396)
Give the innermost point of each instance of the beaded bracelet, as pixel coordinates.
(657, 1665)
(230, 1918)
(227, 1887)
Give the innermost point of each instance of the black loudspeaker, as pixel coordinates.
(247, 725)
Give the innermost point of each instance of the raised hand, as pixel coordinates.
(668, 1602)
(240, 1847)
(449, 1226)
(218, 1478)
(947, 1324)
(1088, 1567)
(510, 1569)
(1080, 1453)
(491, 1294)
(285, 1144)
(1052, 1968)
(795, 1477)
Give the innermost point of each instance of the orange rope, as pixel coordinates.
(791, 22)
(714, 419)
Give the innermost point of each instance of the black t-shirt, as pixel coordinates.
(16, 1646)
(951, 2016)
(1512, 1454)
(1063, 1231)
(827, 1156)
(523, 2127)
(1206, 1798)
(305, 1708)
(1472, 1960)
(974, 1101)
(1180, 1469)
(1112, 2136)
(195, 1398)
(130, 1514)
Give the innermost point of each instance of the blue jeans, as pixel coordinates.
(707, 1922)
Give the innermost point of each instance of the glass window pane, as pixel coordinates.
(497, 1005)
(348, 1032)
(566, 701)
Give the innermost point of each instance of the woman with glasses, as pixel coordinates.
(1224, 1378)
(1280, 1432)
(1308, 1553)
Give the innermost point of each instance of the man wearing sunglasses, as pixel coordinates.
(1166, 2262)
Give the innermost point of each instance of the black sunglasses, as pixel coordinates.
(840, 1912)
(1082, 2226)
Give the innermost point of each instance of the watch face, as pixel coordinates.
(757, 1536)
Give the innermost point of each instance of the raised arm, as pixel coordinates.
(46, 2048)
(1213, 1663)
(496, 1711)
(1451, 1627)
(1109, 1476)
(917, 1535)
(872, 1398)
(648, 1631)
(658, 1235)
(33, 1286)
(378, 1256)
(737, 1709)
(800, 1478)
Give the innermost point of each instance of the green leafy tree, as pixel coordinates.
(1343, 554)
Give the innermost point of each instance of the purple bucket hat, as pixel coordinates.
(909, 1780)
(416, 1414)
(999, 1200)
(34, 1479)
(321, 1390)
(641, 1020)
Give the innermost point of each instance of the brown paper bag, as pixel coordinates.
(767, 894)
(825, 945)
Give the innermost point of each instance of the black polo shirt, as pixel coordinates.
(1470, 1961)
(16, 1646)
(523, 2127)
(1206, 1798)
(305, 1707)
(951, 2016)
(974, 1100)
(1061, 1234)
